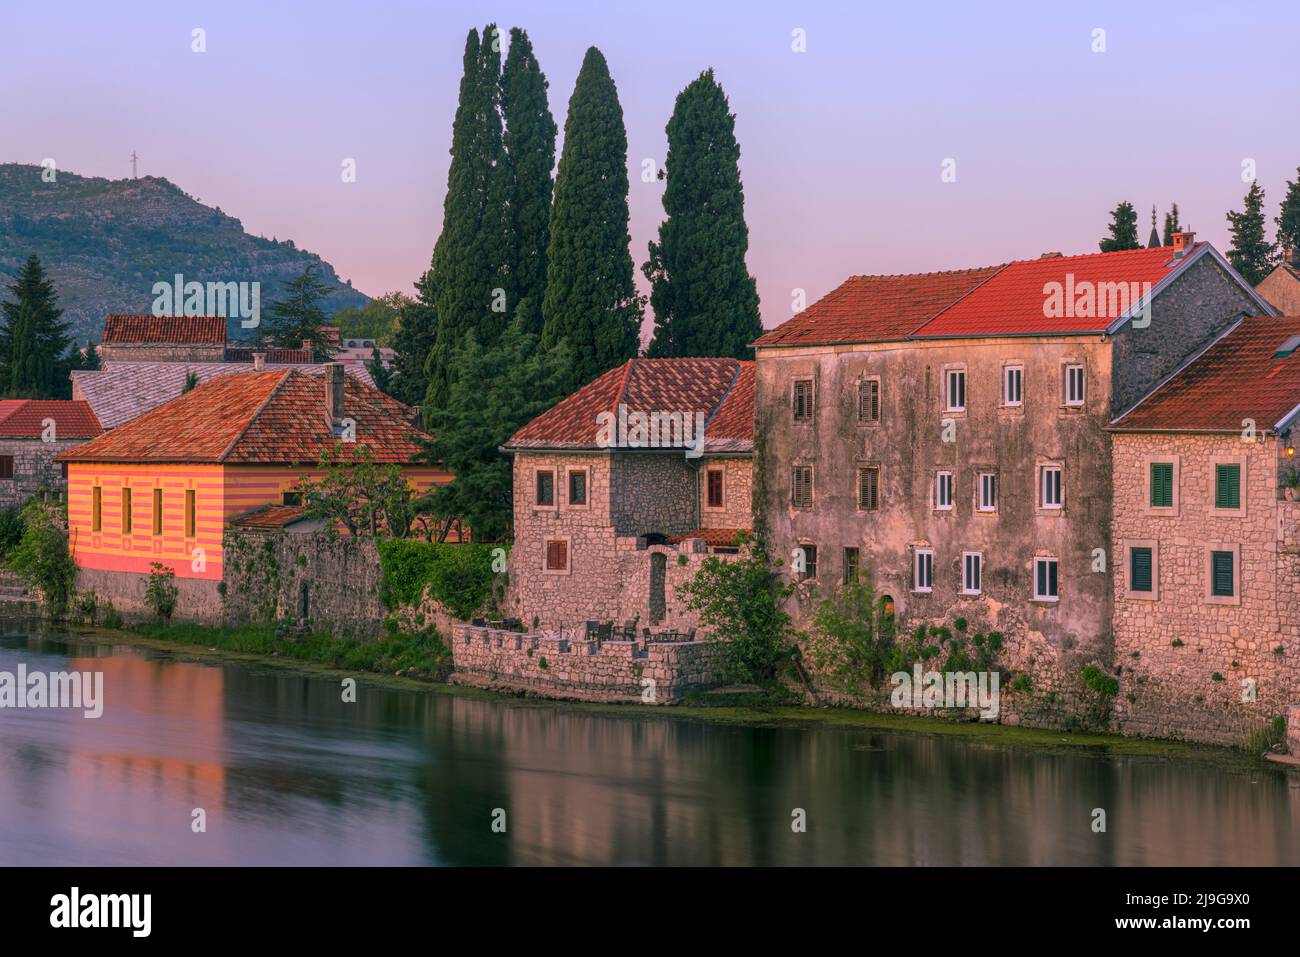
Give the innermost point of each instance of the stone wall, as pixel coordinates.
(1170, 647)
(161, 352)
(737, 492)
(197, 599)
(587, 670)
(34, 468)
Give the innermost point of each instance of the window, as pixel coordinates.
(126, 511)
(157, 511)
(1227, 486)
(1074, 384)
(1013, 378)
(869, 401)
(973, 567)
(1050, 487)
(1223, 578)
(6, 466)
(850, 565)
(1139, 572)
(557, 555)
(714, 498)
(1046, 584)
(803, 400)
(954, 390)
(869, 488)
(922, 569)
(986, 494)
(1162, 484)
(943, 491)
(801, 487)
(809, 562)
(578, 487)
(545, 488)
(293, 499)
(191, 517)
(96, 509)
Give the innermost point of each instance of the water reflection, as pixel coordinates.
(288, 773)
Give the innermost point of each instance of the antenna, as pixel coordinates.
(134, 159)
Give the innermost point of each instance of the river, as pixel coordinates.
(285, 772)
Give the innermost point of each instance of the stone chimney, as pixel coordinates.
(334, 393)
(1182, 243)
(259, 361)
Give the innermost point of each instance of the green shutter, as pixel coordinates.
(1227, 486)
(1222, 583)
(1140, 570)
(1162, 484)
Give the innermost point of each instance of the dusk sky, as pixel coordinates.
(841, 146)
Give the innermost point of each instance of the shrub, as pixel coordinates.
(41, 556)
(1269, 738)
(1096, 680)
(111, 617)
(458, 576)
(160, 593)
(11, 528)
(849, 641)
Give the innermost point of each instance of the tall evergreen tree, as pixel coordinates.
(413, 343)
(704, 299)
(470, 282)
(530, 154)
(1251, 254)
(296, 318)
(1172, 225)
(34, 342)
(1123, 230)
(1288, 217)
(591, 300)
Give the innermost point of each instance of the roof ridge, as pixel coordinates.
(997, 271)
(735, 377)
(622, 389)
(913, 275)
(284, 377)
(1179, 370)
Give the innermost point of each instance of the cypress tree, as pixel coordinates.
(704, 299)
(1288, 217)
(590, 299)
(530, 154)
(413, 343)
(1251, 254)
(34, 342)
(1123, 230)
(1172, 225)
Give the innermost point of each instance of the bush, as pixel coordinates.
(459, 576)
(1096, 680)
(41, 556)
(160, 593)
(850, 642)
(112, 619)
(11, 528)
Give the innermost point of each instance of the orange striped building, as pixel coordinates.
(164, 487)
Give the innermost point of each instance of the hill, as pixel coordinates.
(106, 242)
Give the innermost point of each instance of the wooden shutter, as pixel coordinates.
(1223, 581)
(869, 401)
(1162, 484)
(1227, 486)
(868, 489)
(1140, 570)
(557, 556)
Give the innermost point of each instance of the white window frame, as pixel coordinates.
(949, 373)
(1040, 560)
(1006, 386)
(1066, 391)
(966, 565)
(939, 486)
(1043, 471)
(917, 564)
(992, 480)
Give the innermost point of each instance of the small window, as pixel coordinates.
(191, 517)
(126, 511)
(954, 391)
(545, 488)
(922, 569)
(714, 498)
(6, 466)
(850, 565)
(869, 488)
(1013, 378)
(157, 511)
(1046, 584)
(1074, 384)
(803, 400)
(1050, 487)
(578, 487)
(801, 486)
(943, 491)
(1227, 486)
(971, 572)
(1162, 484)
(1223, 578)
(291, 499)
(1139, 577)
(986, 496)
(557, 556)
(809, 561)
(96, 509)
(869, 401)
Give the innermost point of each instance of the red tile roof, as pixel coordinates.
(274, 355)
(269, 516)
(135, 330)
(713, 537)
(258, 417)
(1236, 378)
(26, 418)
(1014, 301)
(721, 389)
(873, 308)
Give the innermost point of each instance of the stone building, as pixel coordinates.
(944, 434)
(1206, 555)
(32, 433)
(624, 487)
(1281, 287)
(136, 338)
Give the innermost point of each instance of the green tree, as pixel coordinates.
(379, 372)
(34, 345)
(469, 285)
(704, 299)
(1251, 254)
(413, 343)
(591, 301)
(378, 319)
(364, 496)
(41, 556)
(530, 155)
(1172, 225)
(1123, 230)
(494, 391)
(1288, 217)
(297, 317)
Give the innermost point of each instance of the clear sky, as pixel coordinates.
(842, 145)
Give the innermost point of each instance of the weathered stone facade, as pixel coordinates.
(34, 468)
(161, 352)
(1281, 287)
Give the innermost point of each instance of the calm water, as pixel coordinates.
(288, 774)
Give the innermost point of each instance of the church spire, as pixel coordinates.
(1154, 241)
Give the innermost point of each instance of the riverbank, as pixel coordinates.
(325, 657)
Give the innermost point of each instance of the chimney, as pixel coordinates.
(259, 361)
(1052, 255)
(1290, 256)
(334, 393)
(1182, 243)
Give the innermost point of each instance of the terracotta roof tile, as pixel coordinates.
(269, 516)
(137, 330)
(1238, 377)
(25, 419)
(713, 537)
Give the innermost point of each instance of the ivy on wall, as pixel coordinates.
(464, 578)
